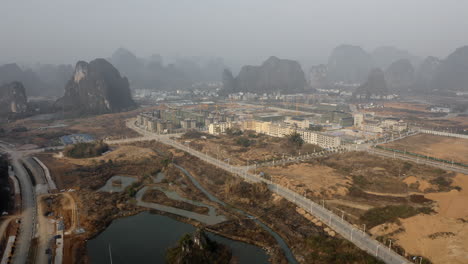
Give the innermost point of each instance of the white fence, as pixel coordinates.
(341, 226)
(440, 133)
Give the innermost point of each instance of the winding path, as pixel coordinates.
(345, 229)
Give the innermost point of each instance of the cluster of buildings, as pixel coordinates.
(280, 129)
(368, 123)
(167, 121)
(152, 122)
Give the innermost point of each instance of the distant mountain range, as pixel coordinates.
(350, 66)
(152, 74)
(274, 75)
(347, 65)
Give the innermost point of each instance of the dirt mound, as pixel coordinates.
(442, 237)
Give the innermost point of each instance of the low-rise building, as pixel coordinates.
(189, 124)
(297, 122)
(219, 128)
(358, 120)
(285, 129)
(440, 109)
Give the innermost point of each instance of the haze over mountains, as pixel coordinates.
(351, 65)
(96, 88)
(152, 73)
(347, 66)
(274, 75)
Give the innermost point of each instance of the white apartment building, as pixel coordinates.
(358, 120)
(297, 122)
(219, 128)
(283, 130)
(373, 128)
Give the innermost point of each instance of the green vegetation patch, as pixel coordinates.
(295, 139)
(391, 213)
(86, 150)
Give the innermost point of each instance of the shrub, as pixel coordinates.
(233, 132)
(19, 129)
(295, 139)
(243, 141)
(391, 213)
(441, 181)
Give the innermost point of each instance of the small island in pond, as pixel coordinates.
(197, 248)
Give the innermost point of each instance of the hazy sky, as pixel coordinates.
(58, 31)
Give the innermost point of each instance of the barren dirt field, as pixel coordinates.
(110, 126)
(119, 153)
(443, 236)
(405, 110)
(420, 207)
(246, 148)
(316, 178)
(447, 148)
(408, 106)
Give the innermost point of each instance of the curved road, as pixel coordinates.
(29, 212)
(345, 229)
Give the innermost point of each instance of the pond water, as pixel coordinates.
(144, 238)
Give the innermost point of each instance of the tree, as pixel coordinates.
(243, 141)
(296, 139)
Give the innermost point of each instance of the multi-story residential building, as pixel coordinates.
(372, 126)
(297, 122)
(358, 120)
(189, 123)
(219, 128)
(284, 129)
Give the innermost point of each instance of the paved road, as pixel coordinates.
(28, 215)
(349, 232)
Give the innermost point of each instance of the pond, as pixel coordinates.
(144, 238)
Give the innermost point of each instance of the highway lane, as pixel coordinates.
(28, 204)
(28, 215)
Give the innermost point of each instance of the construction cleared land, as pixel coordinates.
(447, 148)
(420, 208)
(246, 147)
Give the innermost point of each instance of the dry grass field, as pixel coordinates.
(447, 148)
(422, 209)
(246, 148)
